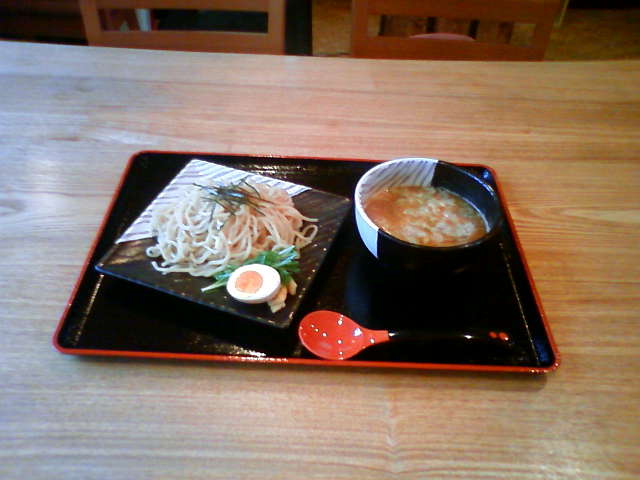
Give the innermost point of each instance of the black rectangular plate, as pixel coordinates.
(110, 316)
(128, 260)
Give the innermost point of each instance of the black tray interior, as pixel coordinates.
(116, 315)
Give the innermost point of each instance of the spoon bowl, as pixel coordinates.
(333, 336)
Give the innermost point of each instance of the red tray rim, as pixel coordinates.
(300, 361)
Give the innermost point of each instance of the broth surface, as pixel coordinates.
(431, 216)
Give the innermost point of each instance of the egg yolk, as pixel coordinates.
(249, 282)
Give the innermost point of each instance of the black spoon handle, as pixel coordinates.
(471, 337)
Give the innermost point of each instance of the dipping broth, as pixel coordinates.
(430, 216)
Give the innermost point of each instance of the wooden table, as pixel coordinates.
(565, 140)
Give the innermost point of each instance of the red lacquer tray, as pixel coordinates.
(115, 317)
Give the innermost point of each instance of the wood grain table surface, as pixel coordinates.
(565, 141)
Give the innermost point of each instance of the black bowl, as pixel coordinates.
(404, 256)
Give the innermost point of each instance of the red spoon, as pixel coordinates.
(333, 336)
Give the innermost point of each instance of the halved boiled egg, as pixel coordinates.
(254, 283)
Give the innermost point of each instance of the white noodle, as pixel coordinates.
(200, 237)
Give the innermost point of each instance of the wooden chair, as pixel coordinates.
(101, 31)
(463, 17)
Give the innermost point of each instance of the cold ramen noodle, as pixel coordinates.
(430, 216)
(212, 230)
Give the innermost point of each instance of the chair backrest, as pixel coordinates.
(537, 14)
(99, 33)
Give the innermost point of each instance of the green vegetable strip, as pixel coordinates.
(232, 197)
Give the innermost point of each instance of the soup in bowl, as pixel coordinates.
(413, 213)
